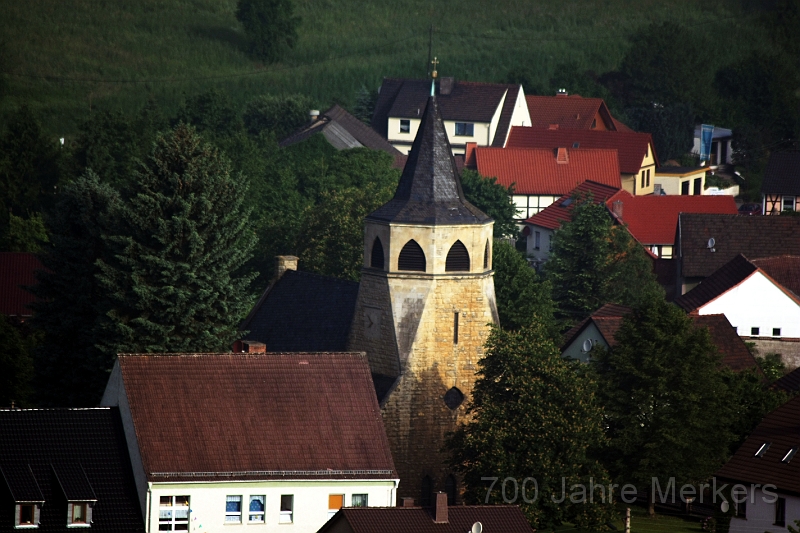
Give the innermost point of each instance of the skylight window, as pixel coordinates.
(789, 455)
(763, 449)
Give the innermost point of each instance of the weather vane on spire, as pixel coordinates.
(435, 62)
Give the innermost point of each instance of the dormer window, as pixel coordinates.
(789, 455)
(26, 515)
(405, 126)
(79, 514)
(762, 450)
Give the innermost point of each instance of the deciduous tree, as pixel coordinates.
(270, 27)
(493, 199)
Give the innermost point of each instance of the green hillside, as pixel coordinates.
(67, 57)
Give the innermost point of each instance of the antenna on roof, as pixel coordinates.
(711, 243)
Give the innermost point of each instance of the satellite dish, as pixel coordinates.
(477, 527)
(711, 243)
(587, 346)
(724, 506)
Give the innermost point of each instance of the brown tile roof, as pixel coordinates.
(735, 354)
(782, 175)
(755, 237)
(607, 319)
(780, 428)
(256, 416)
(721, 281)
(539, 172)
(631, 146)
(503, 125)
(16, 271)
(469, 101)
(790, 382)
(494, 518)
(784, 269)
(569, 112)
(555, 214)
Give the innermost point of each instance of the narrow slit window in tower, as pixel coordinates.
(376, 259)
(486, 255)
(455, 327)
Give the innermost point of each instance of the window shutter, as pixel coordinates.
(457, 258)
(376, 258)
(411, 258)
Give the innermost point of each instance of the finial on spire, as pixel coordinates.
(435, 62)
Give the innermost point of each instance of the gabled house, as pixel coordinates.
(765, 471)
(756, 303)
(260, 439)
(600, 328)
(780, 189)
(440, 518)
(637, 156)
(17, 271)
(343, 131)
(482, 113)
(571, 112)
(541, 176)
(705, 242)
(66, 470)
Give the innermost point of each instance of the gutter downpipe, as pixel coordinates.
(149, 505)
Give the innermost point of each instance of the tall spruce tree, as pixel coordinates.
(70, 369)
(170, 273)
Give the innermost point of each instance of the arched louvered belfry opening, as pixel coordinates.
(425, 492)
(457, 258)
(486, 256)
(411, 257)
(450, 488)
(376, 257)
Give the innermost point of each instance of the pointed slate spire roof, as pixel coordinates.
(429, 191)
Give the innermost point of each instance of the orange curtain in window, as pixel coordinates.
(335, 501)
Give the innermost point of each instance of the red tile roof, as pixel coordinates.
(256, 416)
(653, 219)
(781, 429)
(555, 214)
(570, 112)
(632, 146)
(539, 172)
(16, 271)
(460, 518)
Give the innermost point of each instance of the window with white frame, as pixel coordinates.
(79, 514)
(287, 509)
(359, 500)
(233, 509)
(26, 515)
(465, 129)
(256, 509)
(405, 126)
(173, 513)
(335, 502)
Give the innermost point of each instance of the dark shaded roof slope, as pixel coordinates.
(429, 191)
(570, 112)
(721, 281)
(342, 129)
(789, 383)
(735, 354)
(76, 454)
(303, 312)
(255, 416)
(460, 518)
(780, 428)
(16, 271)
(784, 269)
(631, 146)
(557, 213)
(782, 174)
(755, 237)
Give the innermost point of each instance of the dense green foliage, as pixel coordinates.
(594, 262)
(493, 199)
(16, 365)
(270, 27)
(522, 296)
(537, 415)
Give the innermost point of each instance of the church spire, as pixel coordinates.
(429, 191)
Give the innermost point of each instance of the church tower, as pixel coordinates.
(424, 306)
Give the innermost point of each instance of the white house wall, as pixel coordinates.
(757, 302)
(521, 115)
(207, 502)
(761, 514)
(575, 348)
(542, 253)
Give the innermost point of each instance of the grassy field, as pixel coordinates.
(68, 57)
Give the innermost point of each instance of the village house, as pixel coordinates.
(684, 181)
(259, 439)
(16, 272)
(66, 470)
(482, 113)
(571, 111)
(637, 157)
(780, 189)
(767, 472)
(721, 146)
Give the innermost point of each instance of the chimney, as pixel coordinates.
(254, 347)
(616, 208)
(408, 502)
(440, 509)
(446, 85)
(284, 263)
(313, 115)
(469, 155)
(562, 157)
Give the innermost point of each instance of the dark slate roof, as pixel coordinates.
(303, 312)
(494, 518)
(342, 130)
(735, 354)
(255, 416)
(790, 382)
(721, 281)
(55, 455)
(16, 271)
(782, 175)
(755, 237)
(429, 191)
(780, 428)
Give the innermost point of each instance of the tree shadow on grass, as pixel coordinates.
(222, 34)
